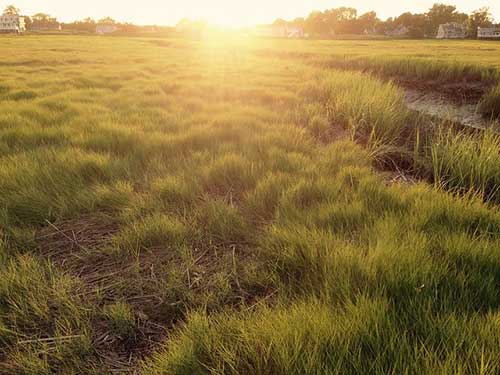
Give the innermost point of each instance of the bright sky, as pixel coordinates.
(224, 12)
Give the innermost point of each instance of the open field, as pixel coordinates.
(245, 207)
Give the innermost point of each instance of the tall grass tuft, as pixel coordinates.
(490, 103)
(156, 230)
(289, 340)
(221, 224)
(121, 320)
(370, 109)
(468, 163)
(230, 175)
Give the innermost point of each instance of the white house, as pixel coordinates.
(452, 30)
(488, 32)
(106, 28)
(400, 31)
(294, 32)
(12, 23)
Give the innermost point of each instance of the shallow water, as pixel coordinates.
(437, 105)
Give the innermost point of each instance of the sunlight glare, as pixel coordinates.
(228, 14)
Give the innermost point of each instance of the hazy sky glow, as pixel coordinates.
(224, 12)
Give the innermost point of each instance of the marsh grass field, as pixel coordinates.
(246, 206)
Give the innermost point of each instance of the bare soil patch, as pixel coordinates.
(81, 248)
(75, 247)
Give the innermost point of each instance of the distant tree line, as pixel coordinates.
(345, 20)
(89, 24)
(337, 21)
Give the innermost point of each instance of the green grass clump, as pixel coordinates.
(313, 261)
(221, 223)
(319, 127)
(153, 231)
(39, 186)
(293, 340)
(122, 322)
(175, 192)
(22, 95)
(468, 163)
(261, 203)
(368, 108)
(44, 323)
(230, 175)
(490, 103)
(33, 296)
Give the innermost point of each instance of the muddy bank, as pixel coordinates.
(440, 105)
(466, 92)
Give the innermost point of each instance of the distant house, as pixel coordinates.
(370, 31)
(280, 31)
(398, 32)
(12, 23)
(106, 28)
(452, 30)
(294, 32)
(488, 32)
